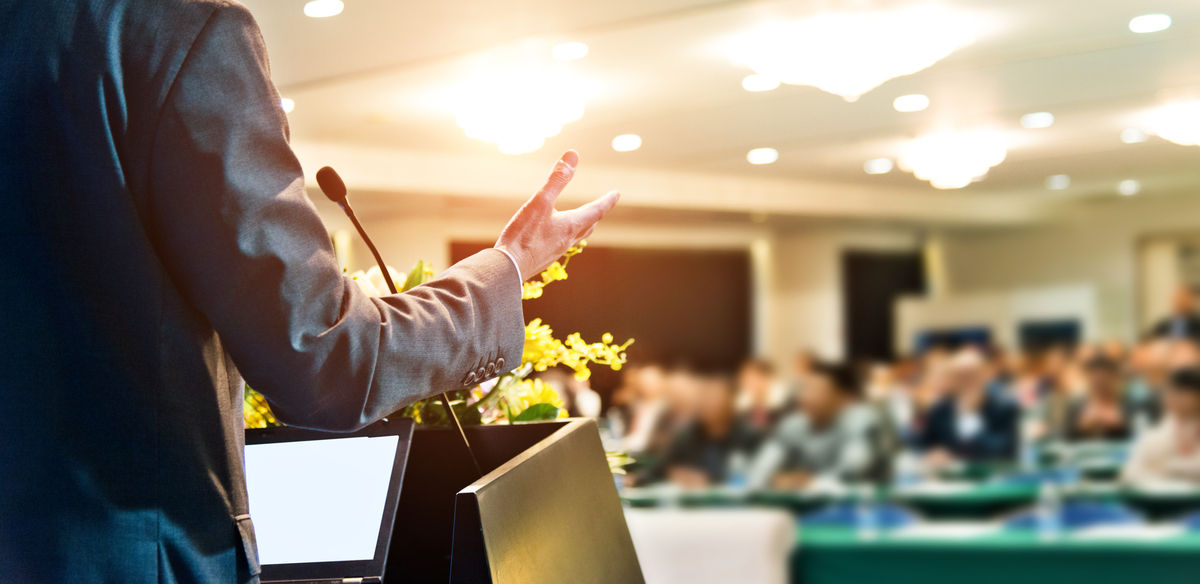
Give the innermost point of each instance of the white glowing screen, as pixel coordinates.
(319, 500)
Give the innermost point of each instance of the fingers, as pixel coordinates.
(586, 216)
(564, 169)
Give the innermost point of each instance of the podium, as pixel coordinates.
(546, 510)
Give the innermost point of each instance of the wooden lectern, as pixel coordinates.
(546, 511)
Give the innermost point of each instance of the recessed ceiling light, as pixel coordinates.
(288, 104)
(911, 103)
(1129, 187)
(1178, 122)
(1037, 120)
(323, 8)
(1133, 136)
(1058, 182)
(762, 156)
(758, 83)
(569, 51)
(878, 166)
(1150, 23)
(626, 142)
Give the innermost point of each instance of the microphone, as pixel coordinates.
(332, 185)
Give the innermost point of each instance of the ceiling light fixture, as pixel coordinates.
(762, 156)
(953, 160)
(288, 104)
(1129, 187)
(911, 103)
(517, 109)
(571, 51)
(1058, 182)
(1037, 120)
(757, 83)
(323, 8)
(1133, 136)
(849, 53)
(1148, 23)
(878, 166)
(1177, 122)
(626, 142)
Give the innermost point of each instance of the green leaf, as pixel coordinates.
(415, 278)
(537, 412)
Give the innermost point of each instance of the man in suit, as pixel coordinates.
(970, 423)
(157, 247)
(1183, 322)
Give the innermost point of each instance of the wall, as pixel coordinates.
(1095, 243)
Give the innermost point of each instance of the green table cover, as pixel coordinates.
(838, 556)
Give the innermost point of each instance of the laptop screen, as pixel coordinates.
(326, 501)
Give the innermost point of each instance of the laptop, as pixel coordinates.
(323, 504)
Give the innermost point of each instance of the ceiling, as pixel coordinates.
(375, 89)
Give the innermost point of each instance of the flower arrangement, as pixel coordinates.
(513, 397)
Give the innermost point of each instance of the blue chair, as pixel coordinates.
(845, 514)
(1191, 521)
(1080, 514)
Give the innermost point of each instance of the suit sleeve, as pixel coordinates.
(243, 243)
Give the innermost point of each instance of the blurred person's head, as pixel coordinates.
(754, 380)
(1103, 377)
(1182, 399)
(1182, 353)
(967, 372)
(1115, 350)
(803, 363)
(881, 380)
(681, 388)
(650, 382)
(828, 390)
(1183, 301)
(714, 397)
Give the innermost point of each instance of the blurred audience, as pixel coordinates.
(761, 399)
(828, 438)
(1102, 412)
(1183, 323)
(1170, 451)
(970, 423)
(704, 449)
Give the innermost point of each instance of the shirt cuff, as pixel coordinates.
(520, 278)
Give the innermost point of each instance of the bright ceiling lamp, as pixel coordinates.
(1178, 122)
(518, 109)
(323, 8)
(953, 160)
(850, 53)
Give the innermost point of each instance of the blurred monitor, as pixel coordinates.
(954, 338)
(1043, 334)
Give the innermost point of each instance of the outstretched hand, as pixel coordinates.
(538, 234)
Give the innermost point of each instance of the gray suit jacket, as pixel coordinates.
(154, 232)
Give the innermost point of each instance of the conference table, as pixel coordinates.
(980, 553)
(961, 536)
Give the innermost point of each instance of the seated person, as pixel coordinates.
(1102, 413)
(761, 399)
(701, 452)
(970, 423)
(829, 437)
(1170, 451)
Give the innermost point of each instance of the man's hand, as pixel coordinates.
(538, 234)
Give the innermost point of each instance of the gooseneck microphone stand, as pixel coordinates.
(332, 185)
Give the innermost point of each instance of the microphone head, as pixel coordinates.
(331, 184)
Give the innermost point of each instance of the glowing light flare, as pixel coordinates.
(1148, 23)
(1133, 136)
(518, 109)
(915, 102)
(1129, 187)
(288, 104)
(762, 156)
(1037, 120)
(953, 160)
(756, 83)
(1058, 182)
(852, 52)
(1177, 122)
(572, 51)
(878, 166)
(323, 8)
(626, 142)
